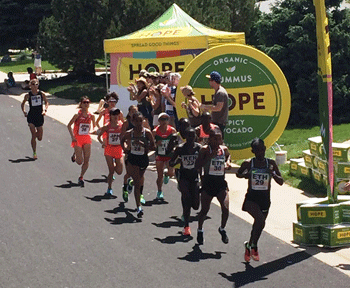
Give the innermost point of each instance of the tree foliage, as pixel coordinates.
(288, 35)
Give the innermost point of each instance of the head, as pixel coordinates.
(30, 70)
(141, 83)
(10, 74)
(132, 110)
(137, 119)
(215, 139)
(84, 102)
(190, 135)
(214, 79)
(184, 123)
(175, 78)
(34, 84)
(163, 119)
(143, 73)
(206, 119)
(112, 99)
(113, 114)
(258, 148)
(187, 91)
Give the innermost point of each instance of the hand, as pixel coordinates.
(25, 114)
(183, 105)
(44, 113)
(103, 145)
(74, 139)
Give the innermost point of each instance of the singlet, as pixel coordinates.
(216, 165)
(113, 134)
(35, 103)
(82, 124)
(165, 138)
(188, 161)
(204, 136)
(137, 149)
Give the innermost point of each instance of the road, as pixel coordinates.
(56, 234)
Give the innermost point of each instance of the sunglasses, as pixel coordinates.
(86, 102)
(36, 84)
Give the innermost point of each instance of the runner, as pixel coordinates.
(113, 150)
(214, 158)
(35, 116)
(81, 139)
(139, 141)
(259, 171)
(188, 176)
(162, 135)
(202, 130)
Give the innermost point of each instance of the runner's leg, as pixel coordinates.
(223, 198)
(87, 153)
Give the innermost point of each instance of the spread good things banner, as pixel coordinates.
(259, 96)
(125, 68)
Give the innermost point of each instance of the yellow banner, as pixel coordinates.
(128, 68)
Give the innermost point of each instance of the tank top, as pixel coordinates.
(82, 124)
(260, 179)
(165, 138)
(35, 103)
(188, 161)
(113, 134)
(137, 149)
(204, 135)
(216, 165)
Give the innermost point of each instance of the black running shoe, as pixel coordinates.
(81, 182)
(224, 237)
(73, 158)
(200, 237)
(139, 213)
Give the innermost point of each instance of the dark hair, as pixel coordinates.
(30, 70)
(136, 115)
(206, 115)
(190, 129)
(114, 95)
(82, 99)
(257, 142)
(114, 111)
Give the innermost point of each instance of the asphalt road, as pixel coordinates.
(56, 234)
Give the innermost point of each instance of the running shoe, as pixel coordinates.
(166, 179)
(35, 156)
(255, 254)
(186, 231)
(142, 200)
(125, 196)
(130, 184)
(247, 251)
(73, 158)
(200, 237)
(81, 182)
(109, 192)
(160, 195)
(113, 177)
(223, 233)
(139, 212)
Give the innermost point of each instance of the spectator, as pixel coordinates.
(155, 98)
(37, 62)
(32, 76)
(169, 95)
(192, 106)
(10, 81)
(219, 108)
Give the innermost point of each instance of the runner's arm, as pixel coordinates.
(244, 170)
(26, 97)
(102, 130)
(69, 126)
(152, 145)
(126, 138)
(46, 103)
(173, 159)
(275, 172)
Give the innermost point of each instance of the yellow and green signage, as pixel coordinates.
(259, 96)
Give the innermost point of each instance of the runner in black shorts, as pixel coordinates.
(188, 176)
(214, 158)
(139, 141)
(35, 116)
(259, 171)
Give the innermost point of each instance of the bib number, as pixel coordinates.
(137, 149)
(162, 147)
(36, 100)
(260, 181)
(217, 167)
(84, 129)
(114, 139)
(188, 161)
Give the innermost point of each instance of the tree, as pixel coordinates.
(288, 35)
(73, 36)
(19, 22)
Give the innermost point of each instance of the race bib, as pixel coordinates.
(217, 166)
(188, 161)
(162, 147)
(36, 100)
(137, 149)
(114, 139)
(84, 129)
(260, 181)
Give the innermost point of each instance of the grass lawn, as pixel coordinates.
(21, 66)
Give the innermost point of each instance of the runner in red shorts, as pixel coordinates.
(113, 149)
(81, 139)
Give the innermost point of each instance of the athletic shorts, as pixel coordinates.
(263, 202)
(213, 185)
(141, 161)
(162, 158)
(37, 120)
(115, 151)
(81, 140)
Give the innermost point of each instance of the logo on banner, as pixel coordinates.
(259, 96)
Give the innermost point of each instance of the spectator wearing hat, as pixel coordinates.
(192, 106)
(219, 108)
(155, 98)
(140, 95)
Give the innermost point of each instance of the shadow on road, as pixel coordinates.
(261, 272)
(99, 198)
(98, 180)
(175, 239)
(27, 159)
(177, 223)
(70, 184)
(197, 255)
(129, 218)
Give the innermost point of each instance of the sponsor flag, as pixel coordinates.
(325, 90)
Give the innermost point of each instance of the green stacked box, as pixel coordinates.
(304, 171)
(345, 208)
(335, 235)
(322, 166)
(320, 214)
(308, 159)
(307, 234)
(342, 170)
(310, 201)
(317, 176)
(293, 166)
(315, 146)
(341, 152)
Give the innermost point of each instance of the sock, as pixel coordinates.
(124, 187)
(141, 190)
(200, 230)
(221, 229)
